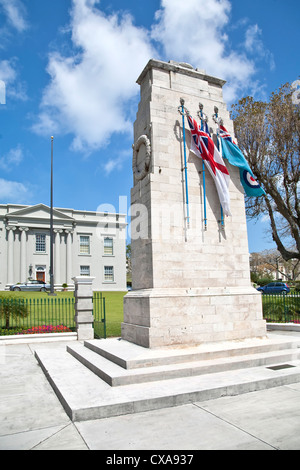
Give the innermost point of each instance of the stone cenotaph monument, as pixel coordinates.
(193, 328)
(190, 263)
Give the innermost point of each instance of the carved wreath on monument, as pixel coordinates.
(140, 173)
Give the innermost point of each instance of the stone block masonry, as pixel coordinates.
(191, 283)
(84, 307)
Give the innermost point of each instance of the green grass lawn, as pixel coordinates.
(34, 295)
(114, 314)
(59, 309)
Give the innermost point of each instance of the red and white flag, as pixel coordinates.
(203, 146)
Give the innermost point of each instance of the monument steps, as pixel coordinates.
(116, 375)
(91, 386)
(131, 356)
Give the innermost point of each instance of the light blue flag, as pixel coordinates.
(233, 154)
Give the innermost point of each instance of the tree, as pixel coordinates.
(12, 308)
(269, 136)
(128, 258)
(270, 263)
(128, 265)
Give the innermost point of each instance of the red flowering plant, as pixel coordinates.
(45, 329)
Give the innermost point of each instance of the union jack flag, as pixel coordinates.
(204, 127)
(224, 134)
(203, 146)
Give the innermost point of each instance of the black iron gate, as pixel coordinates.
(99, 315)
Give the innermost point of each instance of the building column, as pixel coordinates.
(69, 256)
(10, 255)
(23, 271)
(57, 275)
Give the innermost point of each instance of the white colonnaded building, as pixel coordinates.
(85, 243)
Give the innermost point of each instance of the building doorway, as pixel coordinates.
(40, 273)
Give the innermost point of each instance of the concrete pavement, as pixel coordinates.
(32, 417)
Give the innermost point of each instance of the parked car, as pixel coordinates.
(32, 286)
(274, 288)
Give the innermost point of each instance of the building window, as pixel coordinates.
(108, 273)
(40, 243)
(84, 270)
(108, 246)
(84, 248)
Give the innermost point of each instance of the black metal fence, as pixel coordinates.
(21, 315)
(281, 308)
(36, 315)
(56, 314)
(99, 314)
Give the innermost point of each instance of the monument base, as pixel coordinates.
(155, 318)
(98, 379)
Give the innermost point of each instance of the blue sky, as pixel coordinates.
(70, 66)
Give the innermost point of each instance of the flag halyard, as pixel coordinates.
(203, 147)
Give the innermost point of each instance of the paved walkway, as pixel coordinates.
(31, 417)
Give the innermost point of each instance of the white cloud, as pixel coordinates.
(12, 158)
(254, 44)
(111, 165)
(89, 91)
(117, 162)
(15, 13)
(7, 71)
(195, 32)
(9, 75)
(12, 191)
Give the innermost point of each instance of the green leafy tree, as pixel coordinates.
(12, 308)
(268, 134)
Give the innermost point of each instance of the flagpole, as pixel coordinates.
(51, 224)
(200, 114)
(185, 162)
(215, 118)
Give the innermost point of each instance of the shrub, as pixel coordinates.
(263, 281)
(12, 308)
(10, 331)
(297, 286)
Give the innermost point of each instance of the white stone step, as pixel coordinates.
(85, 396)
(131, 356)
(115, 375)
